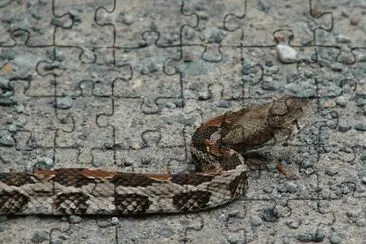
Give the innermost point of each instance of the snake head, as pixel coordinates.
(288, 115)
(268, 123)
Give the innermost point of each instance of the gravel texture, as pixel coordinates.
(123, 87)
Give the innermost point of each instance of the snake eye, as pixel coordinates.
(296, 123)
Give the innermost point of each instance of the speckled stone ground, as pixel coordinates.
(122, 85)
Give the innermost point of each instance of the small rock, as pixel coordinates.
(263, 6)
(236, 238)
(7, 54)
(115, 221)
(166, 232)
(170, 105)
(6, 138)
(335, 238)
(64, 102)
(20, 108)
(5, 159)
(360, 127)
(343, 39)
(363, 156)
(344, 127)
(203, 96)
(268, 63)
(306, 163)
(331, 171)
(337, 67)
(108, 144)
(4, 83)
(179, 103)
(12, 127)
(361, 222)
(256, 220)
(5, 93)
(293, 223)
(291, 187)
(269, 84)
(128, 19)
(73, 219)
(268, 190)
(361, 57)
(363, 180)
(270, 214)
(286, 54)
(341, 101)
(149, 68)
(44, 163)
(281, 188)
(224, 104)
(330, 104)
(319, 236)
(305, 237)
(348, 187)
(216, 36)
(7, 101)
(354, 20)
(57, 241)
(40, 236)
(246, 66)
(360, 101)
(76, 15)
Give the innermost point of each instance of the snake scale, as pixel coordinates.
(218, 150)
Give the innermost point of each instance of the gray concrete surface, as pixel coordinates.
(122, 85)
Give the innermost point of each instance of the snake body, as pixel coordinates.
(218, 150)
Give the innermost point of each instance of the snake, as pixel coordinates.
(218, 150)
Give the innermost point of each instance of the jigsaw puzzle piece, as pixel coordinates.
(217, 23)
(272, 76)
(279, 221)
(299, 161)
(121, 115)
(131, 22)
(29, 64)
(20, 62)
(66, 72)
(29, 128)
(339, 167)
(153, 156)
(147, 73)
(138, 134)
(158, 228)
(85, 138)
(200, 83)
(84, 30)
(328, 86)
(24, 118)
(96, 232)
(221, 226)
(279, 66)
(42, 231)
(33, 17)
(258, 25)
(306, 222)
(359, 54)
(346, 34)
(349, 218)
(44, 82)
